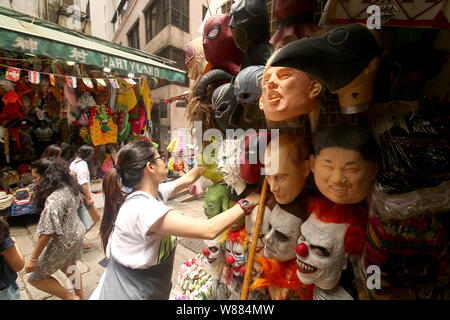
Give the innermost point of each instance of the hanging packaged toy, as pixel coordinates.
(102, 127)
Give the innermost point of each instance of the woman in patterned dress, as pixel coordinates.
(60, 231)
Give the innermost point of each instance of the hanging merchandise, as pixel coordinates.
(126, 95)
(121, 119)
(12, 103)
(217, 36)
(176, 149)
(103, 130)
(145, 99)
(195, 59)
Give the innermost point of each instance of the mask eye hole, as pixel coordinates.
(214, 32)
(321, 252)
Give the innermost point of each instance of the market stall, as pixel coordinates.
(66, 88)
(354, 191)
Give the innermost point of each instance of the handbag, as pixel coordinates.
(85, 217)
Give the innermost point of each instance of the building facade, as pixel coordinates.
(164, 28)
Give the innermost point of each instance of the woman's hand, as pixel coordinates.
(30, 266)
(253, 198)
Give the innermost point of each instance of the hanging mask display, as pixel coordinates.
(345, 163)
(345, 60)
(195, 59)
(284, 230)
(287, 92)
(228, 164)
(250, 28)
(217, 200)
(247, 89)
(253, 146)
(287, 166)
(215, 257)
(226, 109)
(216, 36)
(330, 234)
(295, 21)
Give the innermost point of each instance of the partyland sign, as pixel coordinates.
(44, 47)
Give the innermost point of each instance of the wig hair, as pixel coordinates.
(353, 215)
(356, 138)
(55, 176)
(240, 236)
(128, 172)
(281, 275)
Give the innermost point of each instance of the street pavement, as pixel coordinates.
(23, 229)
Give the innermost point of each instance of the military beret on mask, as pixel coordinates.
(334, 59)
(226, 109)
(247, 86)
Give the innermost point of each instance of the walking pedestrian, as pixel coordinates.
(60, 231)
(139, 230)
(79, 167)
(52, 150)
(11, 262)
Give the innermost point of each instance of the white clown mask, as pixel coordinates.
(284, 230)
(236, 257)
(321, 255)
(215, 256)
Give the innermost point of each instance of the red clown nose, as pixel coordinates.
(230, 259)
(242, 270)
(302, 250)
(206, 252)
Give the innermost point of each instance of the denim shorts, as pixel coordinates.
(10, 294)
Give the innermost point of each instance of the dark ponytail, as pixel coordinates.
(128, 172)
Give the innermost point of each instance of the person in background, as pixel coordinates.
(138, 230)
(52, 150)
(79, 168)
(44, 135)
(11, 262)
(60, 231)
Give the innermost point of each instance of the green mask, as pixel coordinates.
(217, 200)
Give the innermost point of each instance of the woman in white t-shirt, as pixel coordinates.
(139, 230)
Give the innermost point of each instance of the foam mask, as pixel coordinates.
(217, 199)
(254, 145)
(216, 36)
(284, 230)
(321, 255)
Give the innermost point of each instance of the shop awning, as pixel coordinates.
(42, 38)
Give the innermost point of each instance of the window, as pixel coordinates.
(133, 36)
(176, 55)
(156, 18)
(180, 14)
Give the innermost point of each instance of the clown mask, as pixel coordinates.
(321, 255)
(215, 256)
(284, 230)
(235, 257)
